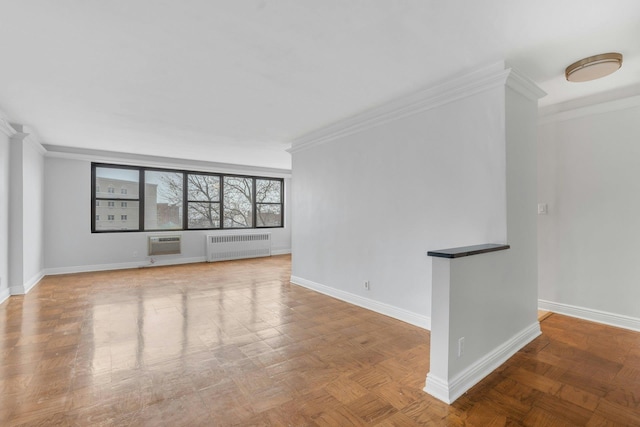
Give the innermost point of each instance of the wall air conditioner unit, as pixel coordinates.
(164, 245)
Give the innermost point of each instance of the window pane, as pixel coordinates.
(204, 215)
(204, 188)
(268, 191)
(269, 216)
(163, 200)
(238, 202)
(112, 216)
(116, 183)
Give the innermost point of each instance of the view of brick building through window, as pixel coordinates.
(246, 200)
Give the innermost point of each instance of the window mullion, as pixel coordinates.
(254, 200)
(222, 201)
(141, 192)
(185, 201)
(93, 197)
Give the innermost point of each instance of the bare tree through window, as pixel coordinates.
(175, 200)
(203, 205)
(238, 202)
(268, 203)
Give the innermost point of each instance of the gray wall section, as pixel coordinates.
(589, 175)
(368, 206)
(70, 245)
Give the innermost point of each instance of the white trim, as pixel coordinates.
(28, 285)
(438, 388)
(136, 264)
(28, 134)
(448, 392)
(121, 266)
(379, 307)
(4, 294)
(524, 86)
(101, 156)
(35, 144)
(5, 125)
(590, 110)
(607, 318)
(280, 251)
(422, 100)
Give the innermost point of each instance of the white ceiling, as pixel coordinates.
(234, 81)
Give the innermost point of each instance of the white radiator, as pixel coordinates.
(164, 245)
(237, 246)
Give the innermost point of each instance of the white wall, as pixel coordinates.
(33, 213)
(5, 132)
(494, 296)
(26, 257)
(521, 148)
(489, 300)
(70, 246)
(369, 205)
(589, 174)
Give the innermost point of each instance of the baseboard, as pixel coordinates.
(280, 251)
(449, 391)
(121, 266)
(4, 294)
(28, 285)
(438, 388)
(379, 307)
(612, 319)
(135, 264)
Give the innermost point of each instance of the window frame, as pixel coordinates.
(185, 198)
(143, 177)
(114, 197)
(186, 201)
(256, 203)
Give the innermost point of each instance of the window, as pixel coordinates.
(163, 199)
(203, 201)
(238, 202)
(111, 177)
(268, 203)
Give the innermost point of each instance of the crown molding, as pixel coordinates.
(524, 86)
(103, 156)
(449, 91)
(590, 110)
(28, 135)
(5, 126)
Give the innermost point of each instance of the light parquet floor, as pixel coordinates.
(235, 343)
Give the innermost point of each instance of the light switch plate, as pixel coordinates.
(543, 209)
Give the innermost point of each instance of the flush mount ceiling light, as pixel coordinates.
(593, 67)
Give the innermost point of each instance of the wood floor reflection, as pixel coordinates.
(235, 343)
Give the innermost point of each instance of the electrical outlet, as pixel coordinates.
(460, 346)
(367, 285)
